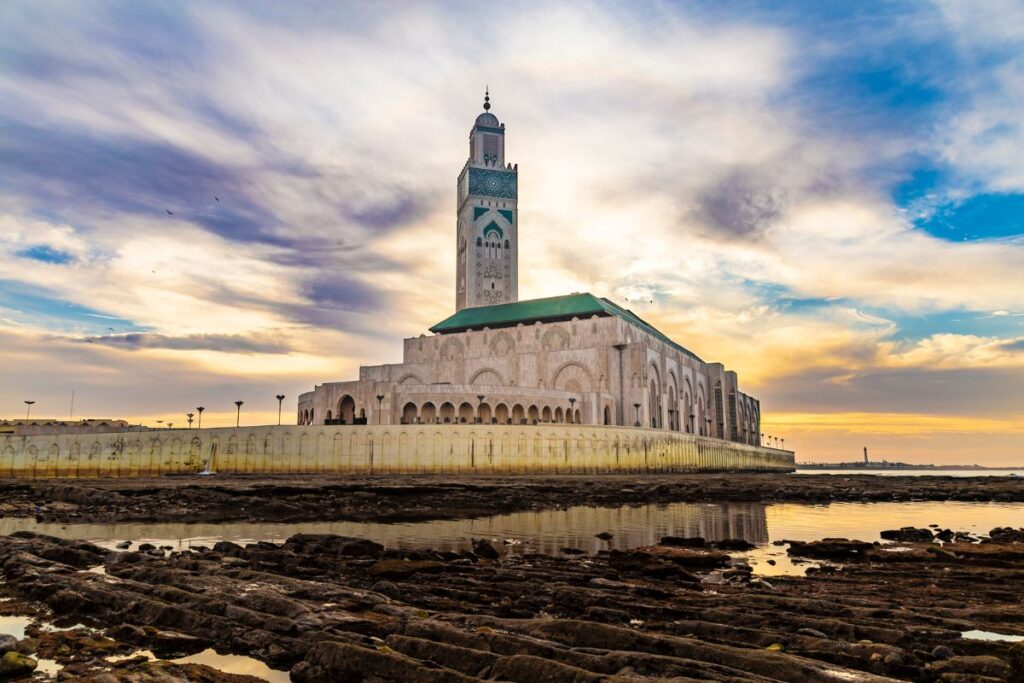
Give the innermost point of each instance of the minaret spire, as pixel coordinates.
(487, 98)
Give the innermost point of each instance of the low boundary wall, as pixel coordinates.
(380, 449)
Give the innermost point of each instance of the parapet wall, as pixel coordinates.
(381, 449)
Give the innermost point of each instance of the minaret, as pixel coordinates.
(487, 245)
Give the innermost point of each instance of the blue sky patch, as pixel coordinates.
(41, 252)
(37, 306)
(982, 216)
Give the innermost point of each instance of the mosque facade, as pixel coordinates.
(574, 359)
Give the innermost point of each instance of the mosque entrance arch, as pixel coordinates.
(347, 410)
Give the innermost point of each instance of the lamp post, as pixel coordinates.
(170, 425)
(280, 398)
(762, 438)
(572, 409)
(190, 416)
(28, 411)
(238, 414)
(380, 398)
(200, 410)
(783, 444)
(637, 406)
(479, 407)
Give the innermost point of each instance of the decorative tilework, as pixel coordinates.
(502, 184)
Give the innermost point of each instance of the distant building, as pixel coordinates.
(56, 426)
(577, 358)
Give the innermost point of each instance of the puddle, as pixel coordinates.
(48, 666)
(14, 626)
(991, 635)
(232, 664)
(237, 664)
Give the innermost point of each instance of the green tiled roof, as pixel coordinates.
(549, 309)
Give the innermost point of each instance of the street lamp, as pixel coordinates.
(200, 410)
(479, 407)
(190, 416)
(280, 398)
(170, 425)
(783, 444)
(572, 410)
(380, 398)
(637, 406)
(29, 410)
(238, 414)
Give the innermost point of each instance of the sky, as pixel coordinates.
(204, 202)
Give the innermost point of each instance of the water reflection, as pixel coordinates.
(548, 531)
(545, 531)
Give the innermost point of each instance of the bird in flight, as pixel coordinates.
(217, 198)
(169, 212)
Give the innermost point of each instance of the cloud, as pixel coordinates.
(1014, 346)
(227, 343)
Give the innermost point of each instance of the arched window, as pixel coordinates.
(506, 244)
(479, 241)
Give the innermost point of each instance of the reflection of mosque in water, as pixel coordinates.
(545, 531)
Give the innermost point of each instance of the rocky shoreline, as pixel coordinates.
(293, 498)
(330, 608)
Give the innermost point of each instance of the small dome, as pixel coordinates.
(487, 119)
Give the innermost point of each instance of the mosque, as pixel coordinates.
(576, 359)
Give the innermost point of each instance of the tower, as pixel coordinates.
(487, 245)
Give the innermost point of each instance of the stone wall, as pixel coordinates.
(381, 449)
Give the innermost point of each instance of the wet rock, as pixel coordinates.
(128, 633)
(687, 557)
(733, 544)
(146, 547)
(572, 551)
(908, 534)
(1016, 657)
(604, 536)
(830, 549)
(981, 665)
(813, 633)
(8, 643)
(941, 652)
(484, 549)
(335, 661)
(403, 569)
(343, 546)
(683, 542)
(16, 665)
(387, 588)
(172, 645)
(124, 545)
(1006, 535)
